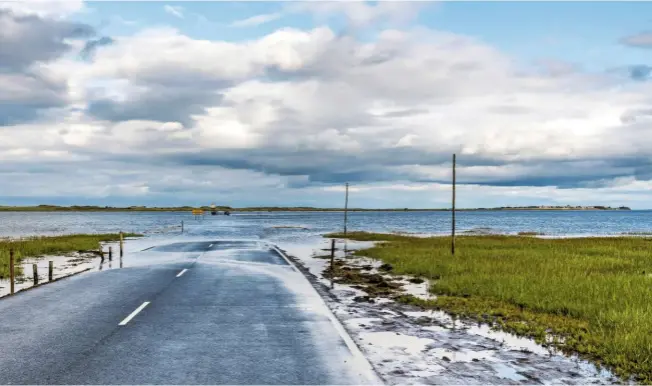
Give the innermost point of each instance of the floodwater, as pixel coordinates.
(401, 350)
(275, 225)
(409, 346)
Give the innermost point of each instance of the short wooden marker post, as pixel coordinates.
(181, 226)
(121, 244)
(99, 246)
(35, 271)
(12, 273)
(332, 261)
(50, 270)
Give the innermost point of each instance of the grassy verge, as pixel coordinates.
(593, 294)
(51, 245)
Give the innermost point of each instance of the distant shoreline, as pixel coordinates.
(54, 208)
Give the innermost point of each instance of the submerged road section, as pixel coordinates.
(200, 312)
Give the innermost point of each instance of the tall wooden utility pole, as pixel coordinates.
(346, 207)
(453, 212)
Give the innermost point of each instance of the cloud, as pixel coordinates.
(162, 117)
(175, 11)
(640, 72)
(640, 40)
(29, 43)
(92, 45)
(360, 13)
(257, 20)
(29, 39)
(55, 9)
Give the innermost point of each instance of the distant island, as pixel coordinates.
(90, 208)
(550, 207)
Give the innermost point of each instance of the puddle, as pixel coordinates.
(507, 372)
(393, 340)
(409, 346)
(461, 356)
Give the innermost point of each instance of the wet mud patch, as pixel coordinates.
(407, 345)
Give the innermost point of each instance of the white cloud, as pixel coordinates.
(44, 8)
(175, 11)
(360, 13)
(306, 109)
(256, 20)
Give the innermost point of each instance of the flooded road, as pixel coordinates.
(211, 304)
(184, 309)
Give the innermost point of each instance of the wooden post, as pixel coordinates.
(110, 253)
(35, 271)
(181, 226)
(99, 246)
(121, 244)
(12, 273)
(453, 212)
(332, 261)
(50, 270)
(346, 207)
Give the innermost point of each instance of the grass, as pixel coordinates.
(595, 293)
(51, 245)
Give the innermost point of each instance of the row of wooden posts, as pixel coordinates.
(12, 271)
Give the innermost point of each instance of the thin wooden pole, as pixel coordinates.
(453, 212)
(110, 253)
(12, 273)
(121, 244)
(346, 207)
(332, 261)
(181, 226)
(35, 272)
(99, 246)
(50, 270)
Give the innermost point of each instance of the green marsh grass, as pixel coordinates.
(50, 245)
(595, 293)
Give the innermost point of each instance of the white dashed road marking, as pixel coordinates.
(131, 316)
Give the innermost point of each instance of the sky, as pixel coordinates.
(281, 103)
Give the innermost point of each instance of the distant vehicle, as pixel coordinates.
(227, 213)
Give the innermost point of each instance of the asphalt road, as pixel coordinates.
(201, 312)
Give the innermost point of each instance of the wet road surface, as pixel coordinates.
(184, 312)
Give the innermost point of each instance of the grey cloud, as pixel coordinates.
(640, 72)
(404, 113)
(164, 104)
(33, 39)
(171, 95)
(25, 89)
(640, 40)
(24, 95)
(91, 46)
(633, 116)
(326, 167)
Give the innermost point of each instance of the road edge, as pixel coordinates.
(372, 375)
